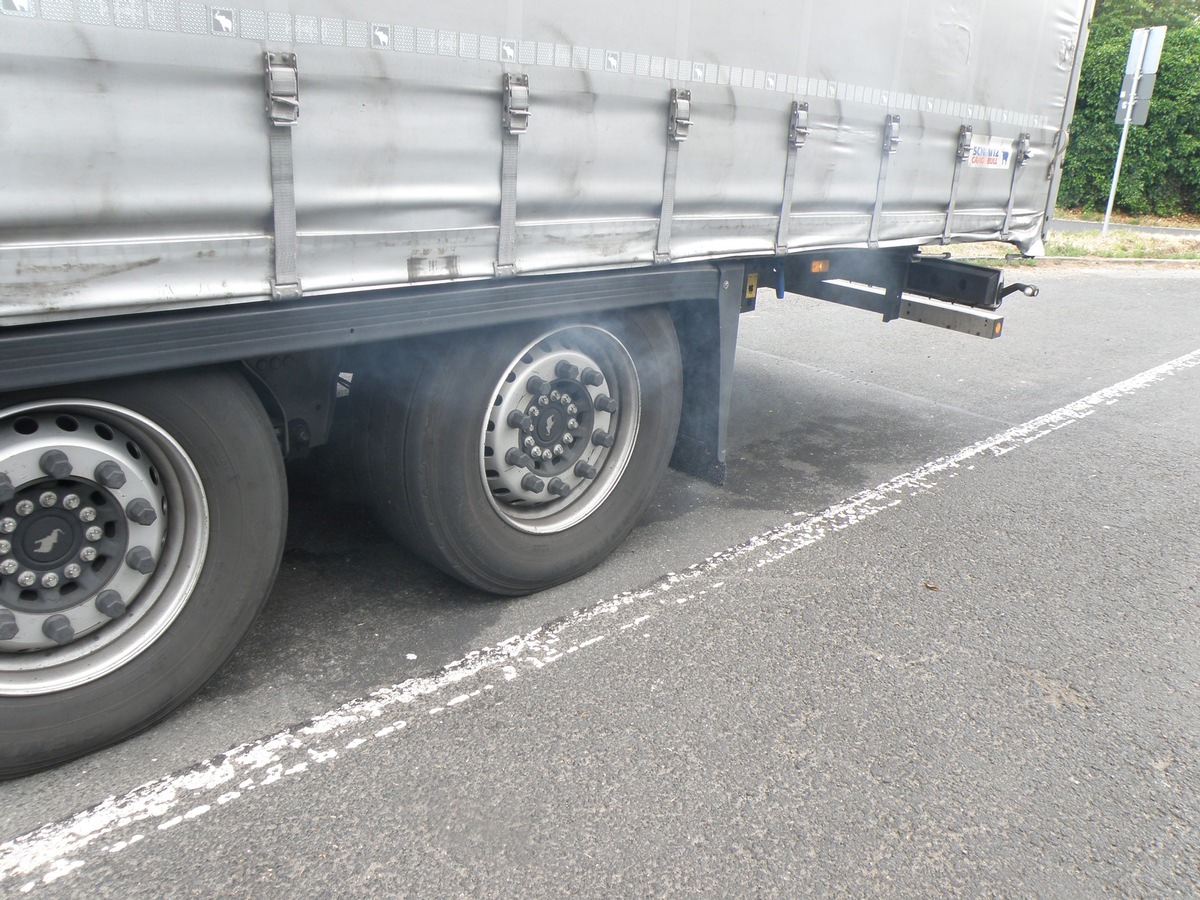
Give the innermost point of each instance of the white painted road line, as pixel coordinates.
(63, 848)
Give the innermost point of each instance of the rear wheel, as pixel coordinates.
(141, 524)
(522, 458)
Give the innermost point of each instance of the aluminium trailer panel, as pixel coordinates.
(138, 167)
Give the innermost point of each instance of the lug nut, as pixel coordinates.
(558, 487)
(568, 439)
(535, 452)
(555, 396)
(110, 474)
(583, 470)
(26, 579)
(572, 423)
(8, 567)
(534, 411)
(71, 501)
(72, 570)
(543, 400)
(605, 403)
(518, 419)
(55, 464)
(25, 507)
(514, 457)
(87, 514)
(50, 580)
(602, 438)
(559, 450)
(87, 554)
(8, 525)
(94, 533)
(8, 625)
(58, 629)
(532, 484)
(565, 370)
(572, 409)
(109, 603)
(141, 511)
(536, 385)
(141, 560)
(48, 499)
(592, 378)
(528, 442)
(5, 547)
(7, 491)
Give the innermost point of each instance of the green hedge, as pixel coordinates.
(1161, 171)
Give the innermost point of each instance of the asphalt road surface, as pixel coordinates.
(939, 634)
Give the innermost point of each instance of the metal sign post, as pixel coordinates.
(1141, 69)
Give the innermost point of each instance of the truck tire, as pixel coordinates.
(521, 457)
(141, 526)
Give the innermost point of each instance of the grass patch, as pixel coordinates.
(1122, 245)
(1082, 245)
(1087, 215)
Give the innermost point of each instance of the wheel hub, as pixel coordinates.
(562, 428)
(83, 520)
(78, 556)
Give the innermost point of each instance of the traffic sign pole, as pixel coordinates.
(1145, 51)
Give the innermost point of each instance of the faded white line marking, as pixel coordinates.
(54, 850)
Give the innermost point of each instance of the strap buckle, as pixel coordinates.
(283, 89)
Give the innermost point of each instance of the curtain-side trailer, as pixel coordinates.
(526, 229)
